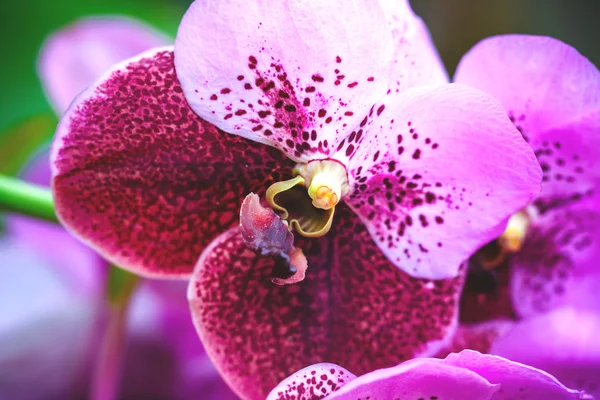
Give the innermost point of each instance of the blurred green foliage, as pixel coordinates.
(26, 23)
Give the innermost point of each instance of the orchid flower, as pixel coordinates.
(317, 108)
(466, 375)
(542, 309)
(51, 341)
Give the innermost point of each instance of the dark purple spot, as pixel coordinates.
(349, 150)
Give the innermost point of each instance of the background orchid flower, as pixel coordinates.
(63, 324)
(151, 186)
(466, 375)
(544, 308)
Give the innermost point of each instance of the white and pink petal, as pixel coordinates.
(416, 60)
(552, 94)
(297, 75)
(435, 174)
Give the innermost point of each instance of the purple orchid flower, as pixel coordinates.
(543, 309)
(387, 184)
(466, 375)
(51, 340)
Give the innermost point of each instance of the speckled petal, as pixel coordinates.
(139, 177)
(517, 381)
(552, 94)
(561, 247)
(416, 60)
(312, 383)
(436, 175)
(294, 74)
(564, 343)
(353, 308)
(72, 58)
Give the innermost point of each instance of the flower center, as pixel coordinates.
(511, 241)
(307, 201)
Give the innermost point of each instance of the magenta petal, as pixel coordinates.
(517, 381)
(552, 94)
(416, 60)
(312, 383)
(74, 57)
(436, 175)
(139, 177)
(561, 247)
(564, 343)
(294, 74)
(418, 379)
(354, 308)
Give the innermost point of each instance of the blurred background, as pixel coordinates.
(27, 123)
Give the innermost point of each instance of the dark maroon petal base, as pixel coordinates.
(354, 308)
(143, 180)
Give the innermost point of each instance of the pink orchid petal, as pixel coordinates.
(436, 176)
(414, 379)
(418, 379)
(564, 343)
(144, 181)
(311, 383)
(416, 60)
(466, 375)
(552, 93)
(517, 381)
(293, 74)
(72, 58)
(561, 247)
(354, 308)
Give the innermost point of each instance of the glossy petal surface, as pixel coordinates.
(416, 60)
(437, 173)
(139, 177)
(414, 379)
(74, 57)
(310, 383)
(563, 343)
(294, 74)
(517, 381)
(354, 308)
(552, 94)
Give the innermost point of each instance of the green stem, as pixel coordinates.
(25, 198)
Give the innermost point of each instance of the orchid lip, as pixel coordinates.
(307, 201)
